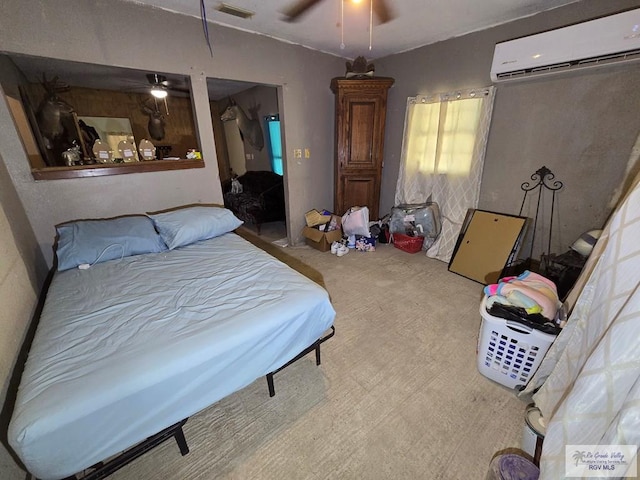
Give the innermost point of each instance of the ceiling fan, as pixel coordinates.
(298, 9)
(160, 86)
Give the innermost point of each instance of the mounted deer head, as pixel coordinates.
(230, 112)
(156, 121)
(51, 110)
(254, 110)
(250, 128)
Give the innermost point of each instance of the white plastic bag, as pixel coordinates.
(356, 221)
(417, 219)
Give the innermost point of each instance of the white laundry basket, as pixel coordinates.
(509, 352)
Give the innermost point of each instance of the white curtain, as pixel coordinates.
(590, 377)
(445, 139)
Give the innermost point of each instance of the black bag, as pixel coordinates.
(383, 235)
(518, 314)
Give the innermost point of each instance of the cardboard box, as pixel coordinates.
(321, 240)
(314, 217)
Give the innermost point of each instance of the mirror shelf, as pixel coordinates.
(82, 171)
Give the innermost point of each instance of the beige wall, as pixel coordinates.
(89, 32)
(267, 98)
(79, 30)
(18, 299)
(242, 154)
(530, 126)
(19, 287)
(580, 126)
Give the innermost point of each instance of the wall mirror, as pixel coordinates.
(108, 139)
(67, 106)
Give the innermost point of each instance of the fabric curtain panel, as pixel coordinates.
(588, 385)
(443, 155)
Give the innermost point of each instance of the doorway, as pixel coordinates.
(249, 149)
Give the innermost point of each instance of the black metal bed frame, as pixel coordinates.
(104, 469)
(314, 346)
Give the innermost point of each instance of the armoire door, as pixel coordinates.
(360, 121)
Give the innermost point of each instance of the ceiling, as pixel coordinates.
(416, 22)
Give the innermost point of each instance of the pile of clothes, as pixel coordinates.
(529, 299)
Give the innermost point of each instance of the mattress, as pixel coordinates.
(131, 346)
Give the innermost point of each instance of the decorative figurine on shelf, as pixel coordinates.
(194, 154)
(359, 68)
(72, 155)
(147, 150)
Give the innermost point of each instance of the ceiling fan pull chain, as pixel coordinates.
(342, 24)
(371, 25)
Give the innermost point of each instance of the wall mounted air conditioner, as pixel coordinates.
(604, 41)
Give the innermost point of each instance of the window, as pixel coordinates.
(443, 150)
(440, 136)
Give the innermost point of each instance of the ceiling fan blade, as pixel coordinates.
(157, 79)
(294, 12)
(178, 89)
(383, 12)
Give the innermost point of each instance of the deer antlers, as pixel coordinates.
(53, 86)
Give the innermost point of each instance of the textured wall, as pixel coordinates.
(21, 272)
(267, 99)
(53, 29)
(581, 126)
(18, 298)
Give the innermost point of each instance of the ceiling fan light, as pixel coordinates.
(158, 92)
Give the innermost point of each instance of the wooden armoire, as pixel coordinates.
(361, 106)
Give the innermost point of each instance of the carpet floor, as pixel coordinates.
(398, 394)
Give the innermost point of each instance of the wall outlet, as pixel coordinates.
(297, 153)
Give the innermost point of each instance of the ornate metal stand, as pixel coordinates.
(542, 178)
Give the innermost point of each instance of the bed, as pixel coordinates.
(129, 347)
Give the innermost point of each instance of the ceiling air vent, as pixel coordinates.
(235, 11)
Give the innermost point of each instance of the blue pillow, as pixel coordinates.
(188, 225)
(95, 241)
